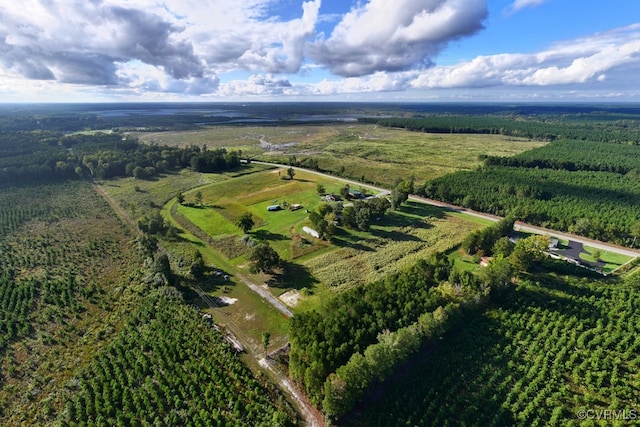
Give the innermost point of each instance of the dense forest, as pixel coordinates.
(45, 156)
(597, 128)
(588, 188)
(550, 347)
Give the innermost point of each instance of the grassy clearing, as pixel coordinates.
(143, 197)
(465, 262)
(612, 260)
(249, 315)
(315, 267)
(361, 151)
(254, 193)
(210, 220)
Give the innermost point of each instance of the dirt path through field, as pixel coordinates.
(119, 211)
(265, 294)
(311, 416)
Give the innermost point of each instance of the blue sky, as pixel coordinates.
(325, 50)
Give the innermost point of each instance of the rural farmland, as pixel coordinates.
(390, 268)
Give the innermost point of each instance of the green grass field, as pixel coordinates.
(612, 260)
(379, 155)
(143, 197)
(223, 204)
(318, 268)
(249, 314)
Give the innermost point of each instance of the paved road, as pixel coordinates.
(610, 247)
(518, 225)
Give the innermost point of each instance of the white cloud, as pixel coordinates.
(521, 4)
(80, 42)
(258, 43)
(140, 78)
(395, 35)
(154, 49)
(260, 85)
(87, 42)
(587, 60)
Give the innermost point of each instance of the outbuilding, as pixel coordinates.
(273, 208)
(311, 231)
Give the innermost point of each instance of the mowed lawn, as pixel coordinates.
(354, 257)
(223, 203)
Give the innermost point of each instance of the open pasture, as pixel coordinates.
(354, 257)
(223, 204)
(377, 154)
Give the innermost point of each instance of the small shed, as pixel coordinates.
(485, 261)
(273, 208)
(295, 207)
(311, 231)
(356, 194)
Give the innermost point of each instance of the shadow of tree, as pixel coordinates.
(422, 210)
(293, 276)
(396, 236)
(267, 235)
(345, 239)
(212, 279)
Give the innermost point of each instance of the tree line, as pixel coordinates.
(323, 341)
(598, 205)
(573, 155)
(544, 128)
(46, 156)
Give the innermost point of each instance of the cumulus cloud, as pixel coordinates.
(261, 85)
(285, 53)
(141, 77)
(189, 42)
(81, 42)
(395, 35)
(164, 49)
(603, 62)
(586, 60)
